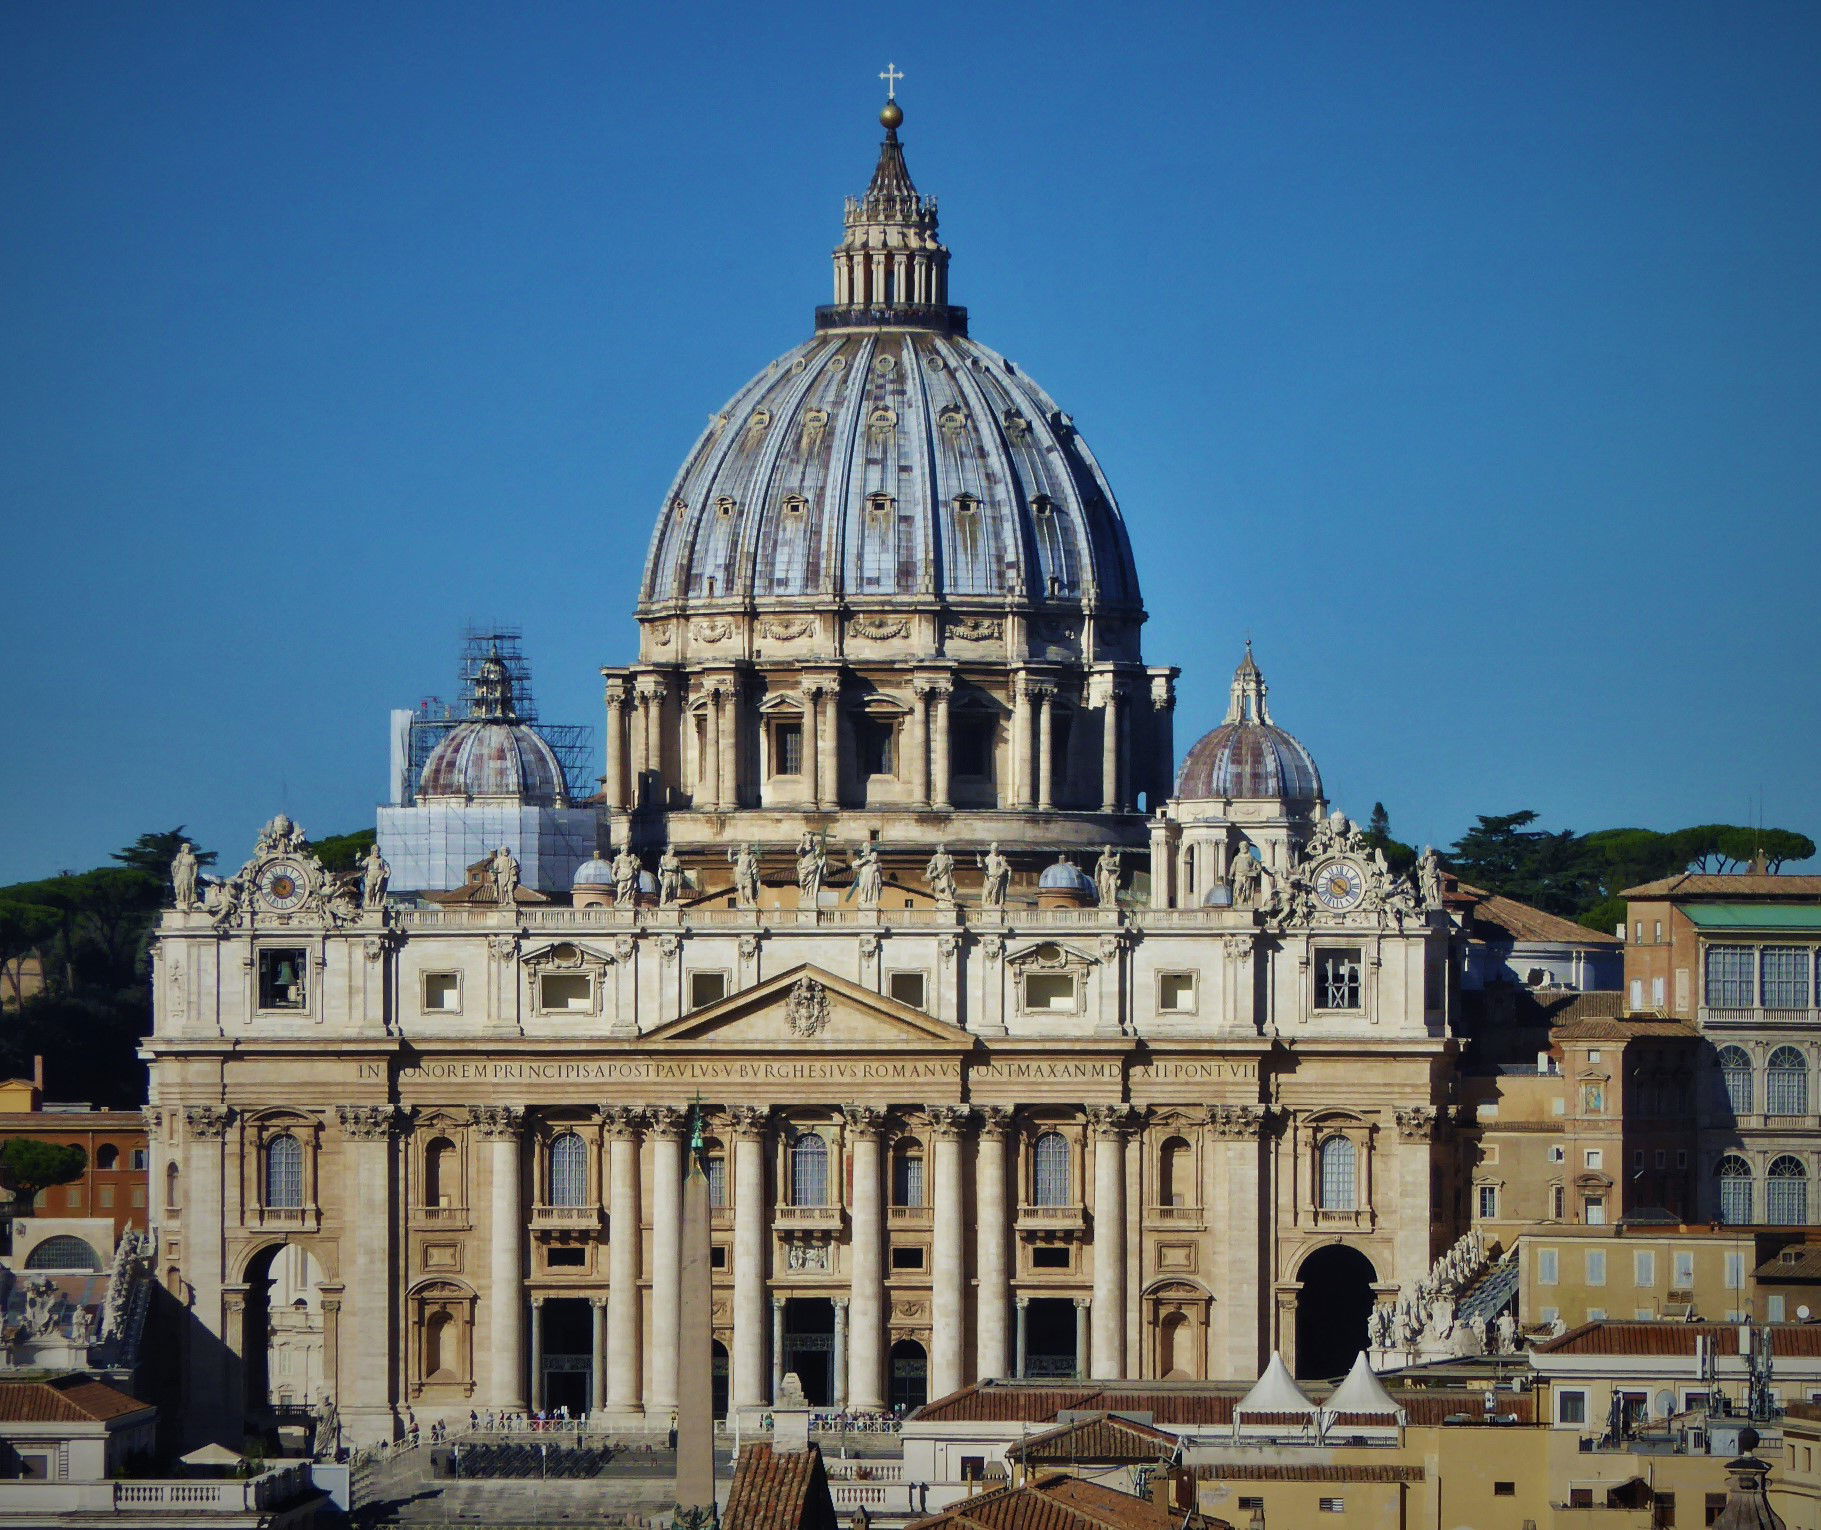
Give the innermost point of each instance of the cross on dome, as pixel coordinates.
(891, 77)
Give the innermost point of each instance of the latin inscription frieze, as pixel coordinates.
(649, 1070)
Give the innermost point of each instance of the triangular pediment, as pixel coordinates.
(810, 1008)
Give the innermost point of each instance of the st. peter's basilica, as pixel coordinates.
(1023, 1053)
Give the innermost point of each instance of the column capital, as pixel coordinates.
(841, 1302)
(1416, 1123)
(931, 688)
(616, 691)
(537, 1298)
(665, 1121)
(995, 1120)
(863, 1118)
(948, 1120)
(597, 1301)
(749, 1121)
(1023, 1298)
(497, 1122)
(1114, 1120)
(817, 686)
(369, 1123)
(621, 1121)
(1238, 1120)
(777, 1303)
(207, 1120)
(650, 688)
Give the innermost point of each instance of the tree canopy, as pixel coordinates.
(28, 1166)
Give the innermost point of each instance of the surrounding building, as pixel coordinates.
(1737, 957)
(112, 1192)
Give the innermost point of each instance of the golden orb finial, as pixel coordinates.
(892, 115)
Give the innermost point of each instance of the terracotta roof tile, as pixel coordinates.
(1640, 1338)
(1060, 1502)
(1260, 1471)
(65, 1400)
(1101, 1438)
(779, 1490)
(1746, 884)
(1625, 1030)
(1496, 916)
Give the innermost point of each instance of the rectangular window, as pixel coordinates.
(907, 988)
(1571, 1407)
(1337, 980)
(566, 1259)
(1735, 1272)
(1051, 991)
(1558, 1154)
(1596, 1266)
(442, 993)
(717, 1257)
(1684, 1262)
(1644, 1268)
(715, 1171)
(1504, 1490)
(970, 748)
(565, 993)
(105, 1195)
(1784, 977)
(1730, 977)
(1594, 1158)
(909, 1257)
(1489, 1202)
(873, 746)
(138, 1158)
(1656, 934)
(787, 749)
(138, 1196)
(1176, 993)
(1557, 1200)
(1332, 1505)
(706, 988)
(281, 977)
(1546, 1267)
(1049, 1259)
(1594, 1211)
(1774, 1308)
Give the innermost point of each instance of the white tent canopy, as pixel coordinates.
(1275, 1392)
(1363, 1393)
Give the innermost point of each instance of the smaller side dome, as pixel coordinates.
(1066, 876)
(1248, 755)
(593, 872)
(494, 754)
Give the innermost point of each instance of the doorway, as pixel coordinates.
(568, 1378)
(1049, 1337)
(1332, 1310)
(809, 1346)
(718, 1385)
(910, 1375)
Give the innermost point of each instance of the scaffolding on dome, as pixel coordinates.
(433, 718)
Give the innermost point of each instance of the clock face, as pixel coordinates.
(1339, 886)
(284, 885)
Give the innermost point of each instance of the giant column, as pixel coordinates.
(751, 1219)
(665, 1135)
(625, 1397)
(992, 1229)
(727, 700)
(1110, 791)
(708, 756)
(948, 1253)
(942, 766)
(367, 1315)
(1240, 1201)
(615, 783)
(213, 1403)
(499, 1127)
(866, 1311)
(1108, 1125)
(919, 745)
(1046, 747)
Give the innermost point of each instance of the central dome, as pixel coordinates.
(882, 464)
(890, 462)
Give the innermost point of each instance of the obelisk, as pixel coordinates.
(694, 1358)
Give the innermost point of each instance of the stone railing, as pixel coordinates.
(910, 1216)
(566, 1218)
(813, 1218)
(184, 1501)
(1054, 1219)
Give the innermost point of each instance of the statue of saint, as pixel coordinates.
(222, 899)
(869, 875)
(1429, 877)
(941, 875)
(812, 867)
(1106, 877)
(375, 874)
(626, 870)
(745, 875)
(183, 876)
(1243, 876)
(505, 877)
(996, 876)
(670, 877)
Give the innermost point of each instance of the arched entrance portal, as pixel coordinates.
(282, 1335)
(1332, 1309)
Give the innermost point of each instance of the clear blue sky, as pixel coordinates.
(1467, 356)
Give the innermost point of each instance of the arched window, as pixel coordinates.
(1786, 1191)
(284, 1172)
(907, 1173)
(63, 1252)
(1735, 1074)
(1175, 1173)
(1786, 1083)
(809, 1171)
(1339, 1174)
(440, 1176)
(107, 1156)
(173, 1188)
(1734, 1174)
(568, 1170)
(1050, 1165)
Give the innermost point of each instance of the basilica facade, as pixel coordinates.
(1019, 1052)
